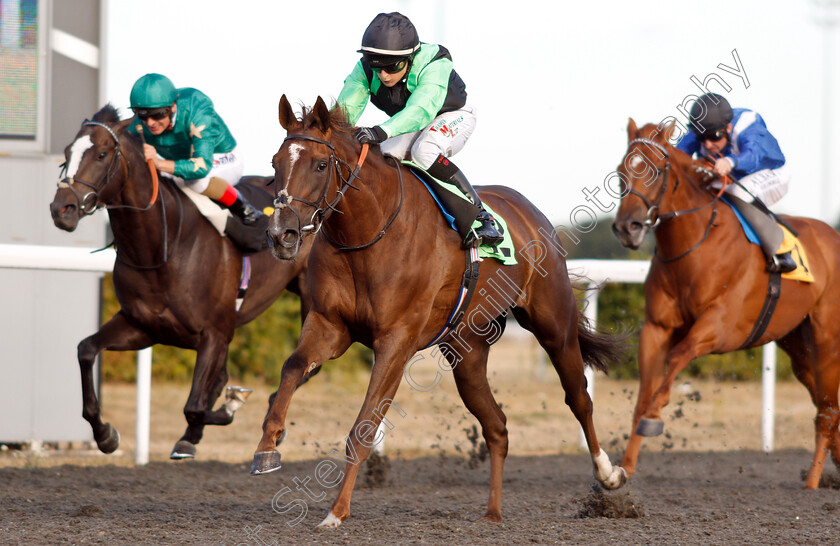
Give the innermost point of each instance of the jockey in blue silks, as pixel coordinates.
(737, 142)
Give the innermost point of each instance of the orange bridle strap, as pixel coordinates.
(153, 170)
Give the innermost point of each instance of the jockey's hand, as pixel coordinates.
(722, 167)
(374, 134)
(149, 152)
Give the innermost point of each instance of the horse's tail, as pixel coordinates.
(598, 349)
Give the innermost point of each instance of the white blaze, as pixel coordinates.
(77, 150)
(294, 155)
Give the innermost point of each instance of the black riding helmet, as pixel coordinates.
(709, 113)
(389, 39)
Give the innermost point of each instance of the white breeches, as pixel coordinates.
(228, 167)
(446, 136)
(768, 185)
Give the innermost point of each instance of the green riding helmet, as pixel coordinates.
(153, 91)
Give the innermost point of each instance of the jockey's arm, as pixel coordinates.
(355, 94)
(750, 149)
(425, 101)
(162, 165)
(203, 134)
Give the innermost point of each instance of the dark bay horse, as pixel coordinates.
(176, 279)
(707, 285)
(395, 295)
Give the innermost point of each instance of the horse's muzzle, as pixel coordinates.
(285, 239)
(631, 233)
(65, 215)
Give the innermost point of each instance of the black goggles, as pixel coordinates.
(389, 68)
(714, 136)
(157, 114)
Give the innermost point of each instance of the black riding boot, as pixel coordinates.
(487, 234)
(769, 234)
(245, 211)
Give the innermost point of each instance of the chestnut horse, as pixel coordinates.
(387, 270)
(176, 279)
(707, 286)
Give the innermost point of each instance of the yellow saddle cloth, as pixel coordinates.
(797, 251)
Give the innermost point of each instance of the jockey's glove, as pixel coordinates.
(373, 135)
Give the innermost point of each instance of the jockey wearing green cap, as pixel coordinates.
(184, 136)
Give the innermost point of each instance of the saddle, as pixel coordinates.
(249, 239)
(453, 203)
(790, 243)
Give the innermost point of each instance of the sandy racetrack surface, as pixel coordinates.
(705, 482)
(736, 497)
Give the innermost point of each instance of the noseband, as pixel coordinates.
(653, 210)
(652, 217)
(323, 208)
(65, 182)
(88, 202)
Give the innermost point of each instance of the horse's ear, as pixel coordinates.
(632, 130)
(322, 115)
(123, 125)
(287, 116)
(671, 132)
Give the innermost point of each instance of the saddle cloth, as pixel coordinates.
(249, 239)
(216, 215)
(790, 243)
(504, 251)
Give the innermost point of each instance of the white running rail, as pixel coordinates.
(597, 273)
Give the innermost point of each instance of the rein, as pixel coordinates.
(654, 209)
(324, 208)
(65, 182)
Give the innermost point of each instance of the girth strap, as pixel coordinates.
(469, 280)
(774, 290)
(244, 281)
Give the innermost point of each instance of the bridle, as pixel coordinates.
(652, 217)
(88, 203)
(323, 207)
(93, 195)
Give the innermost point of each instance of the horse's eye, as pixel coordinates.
(102, 155)
(322, 165)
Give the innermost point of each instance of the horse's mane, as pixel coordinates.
(694, 170)
(108, 114)
(338, 119)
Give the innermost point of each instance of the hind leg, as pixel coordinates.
(118, 334)
(470, 371)
(821, 376)
(558, 336)
(826, 384)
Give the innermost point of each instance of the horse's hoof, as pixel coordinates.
(265, 462)
(330, 521)
(235, 397)
(622, 478)
(111, 441)
(183, 450)
(649, 427)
